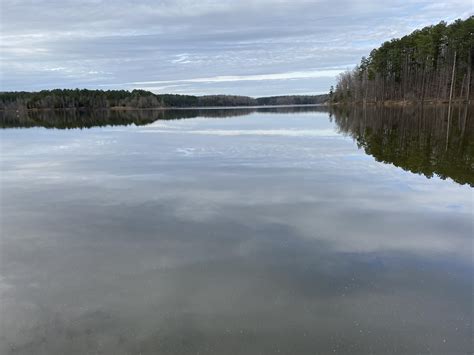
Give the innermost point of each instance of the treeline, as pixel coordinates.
(434, 63)
(293, 100)
(100, 99)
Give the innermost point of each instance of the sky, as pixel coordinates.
(242, 47)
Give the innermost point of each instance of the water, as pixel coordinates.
(237, 232)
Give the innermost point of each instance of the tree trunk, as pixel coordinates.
(469, 68)
(450, 99)
(452, 86)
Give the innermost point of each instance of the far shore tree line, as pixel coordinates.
(434, 63)
(100, 99)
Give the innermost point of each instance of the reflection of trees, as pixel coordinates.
(73, 118)
(417, 139)
(91, 118)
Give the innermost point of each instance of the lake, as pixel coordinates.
(224, 231)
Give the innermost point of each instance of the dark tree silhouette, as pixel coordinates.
(141, 99)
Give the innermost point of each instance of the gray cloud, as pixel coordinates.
(245, 47)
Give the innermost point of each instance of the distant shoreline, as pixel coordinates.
(386, 103)
(141, 99)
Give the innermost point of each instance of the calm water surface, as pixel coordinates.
(237, 232)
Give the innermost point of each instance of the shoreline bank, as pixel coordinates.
(403, 102)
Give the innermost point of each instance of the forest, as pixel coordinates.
(100, 99)
(431, 64)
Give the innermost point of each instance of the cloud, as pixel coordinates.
(259, 77)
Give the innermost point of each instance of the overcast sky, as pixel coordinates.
(256, 48)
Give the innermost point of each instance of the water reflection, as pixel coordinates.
(418, 139)
(62, 119)
(259, 233)
(415, 138)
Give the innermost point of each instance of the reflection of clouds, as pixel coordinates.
(344, 216)
(195, 260)
(379, 230)
(249, 132)
(258, 242)
(322, 188)
(348, 216)
(4, 285)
